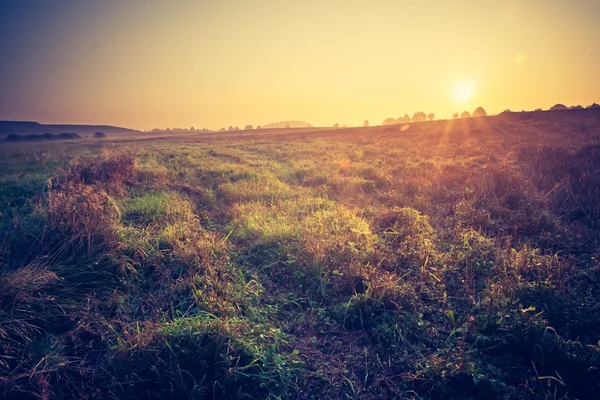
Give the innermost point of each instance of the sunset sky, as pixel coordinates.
(215, 63)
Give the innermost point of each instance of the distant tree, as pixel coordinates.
(366, 123)
(538, 110)
(389, 121)
(230, 127)
(558, 107)
(419, 116)
(237, 128)
(168, 129)
(192, 129)
(465, 114)
(287, 126)
(222, 130)
(248, 127)
(258, 127)
(455, 115)
(507, 111)
(578, 107)
(406, 119)
(431, 116)
(593, 105)
(336, 125)
(99, 135)
(479, 112)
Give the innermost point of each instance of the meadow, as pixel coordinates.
(437, 260)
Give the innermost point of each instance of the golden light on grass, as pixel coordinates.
(345, 163)
(379, 221)
(463, 92)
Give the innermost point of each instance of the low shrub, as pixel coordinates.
(110, 172)
(84, 212)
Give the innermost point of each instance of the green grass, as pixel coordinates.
(455, 259)
(156, 206)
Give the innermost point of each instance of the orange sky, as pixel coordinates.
(148, 64)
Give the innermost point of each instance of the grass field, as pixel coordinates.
(439, 260)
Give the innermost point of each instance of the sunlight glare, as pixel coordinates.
(463, 92)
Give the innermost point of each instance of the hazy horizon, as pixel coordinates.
(210, 64)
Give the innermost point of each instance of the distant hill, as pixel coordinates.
(35, 128)
(284, 124)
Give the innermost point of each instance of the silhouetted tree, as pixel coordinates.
(406, 118)
(287, 126)
(455, 115)
(336, 125)
(237, 128)
(248, 127)
(258, 127)
(222, 130)
(465, 114)
(479, 112)
(538, 109)
(366, 123)
(593, 105)
(431, 116)
(507, 111)
(389, 121)
(230, 127)
(578, 107)
(419, 116)
(558, 107)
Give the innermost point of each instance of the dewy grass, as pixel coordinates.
(452, 259)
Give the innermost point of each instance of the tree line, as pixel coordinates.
(419, 116)
(478, 112)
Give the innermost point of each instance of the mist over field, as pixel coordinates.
(314, 200)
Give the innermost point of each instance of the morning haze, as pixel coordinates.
(218, 63)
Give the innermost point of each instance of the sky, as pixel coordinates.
(214, 63)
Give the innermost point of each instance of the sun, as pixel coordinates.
(463, 92)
